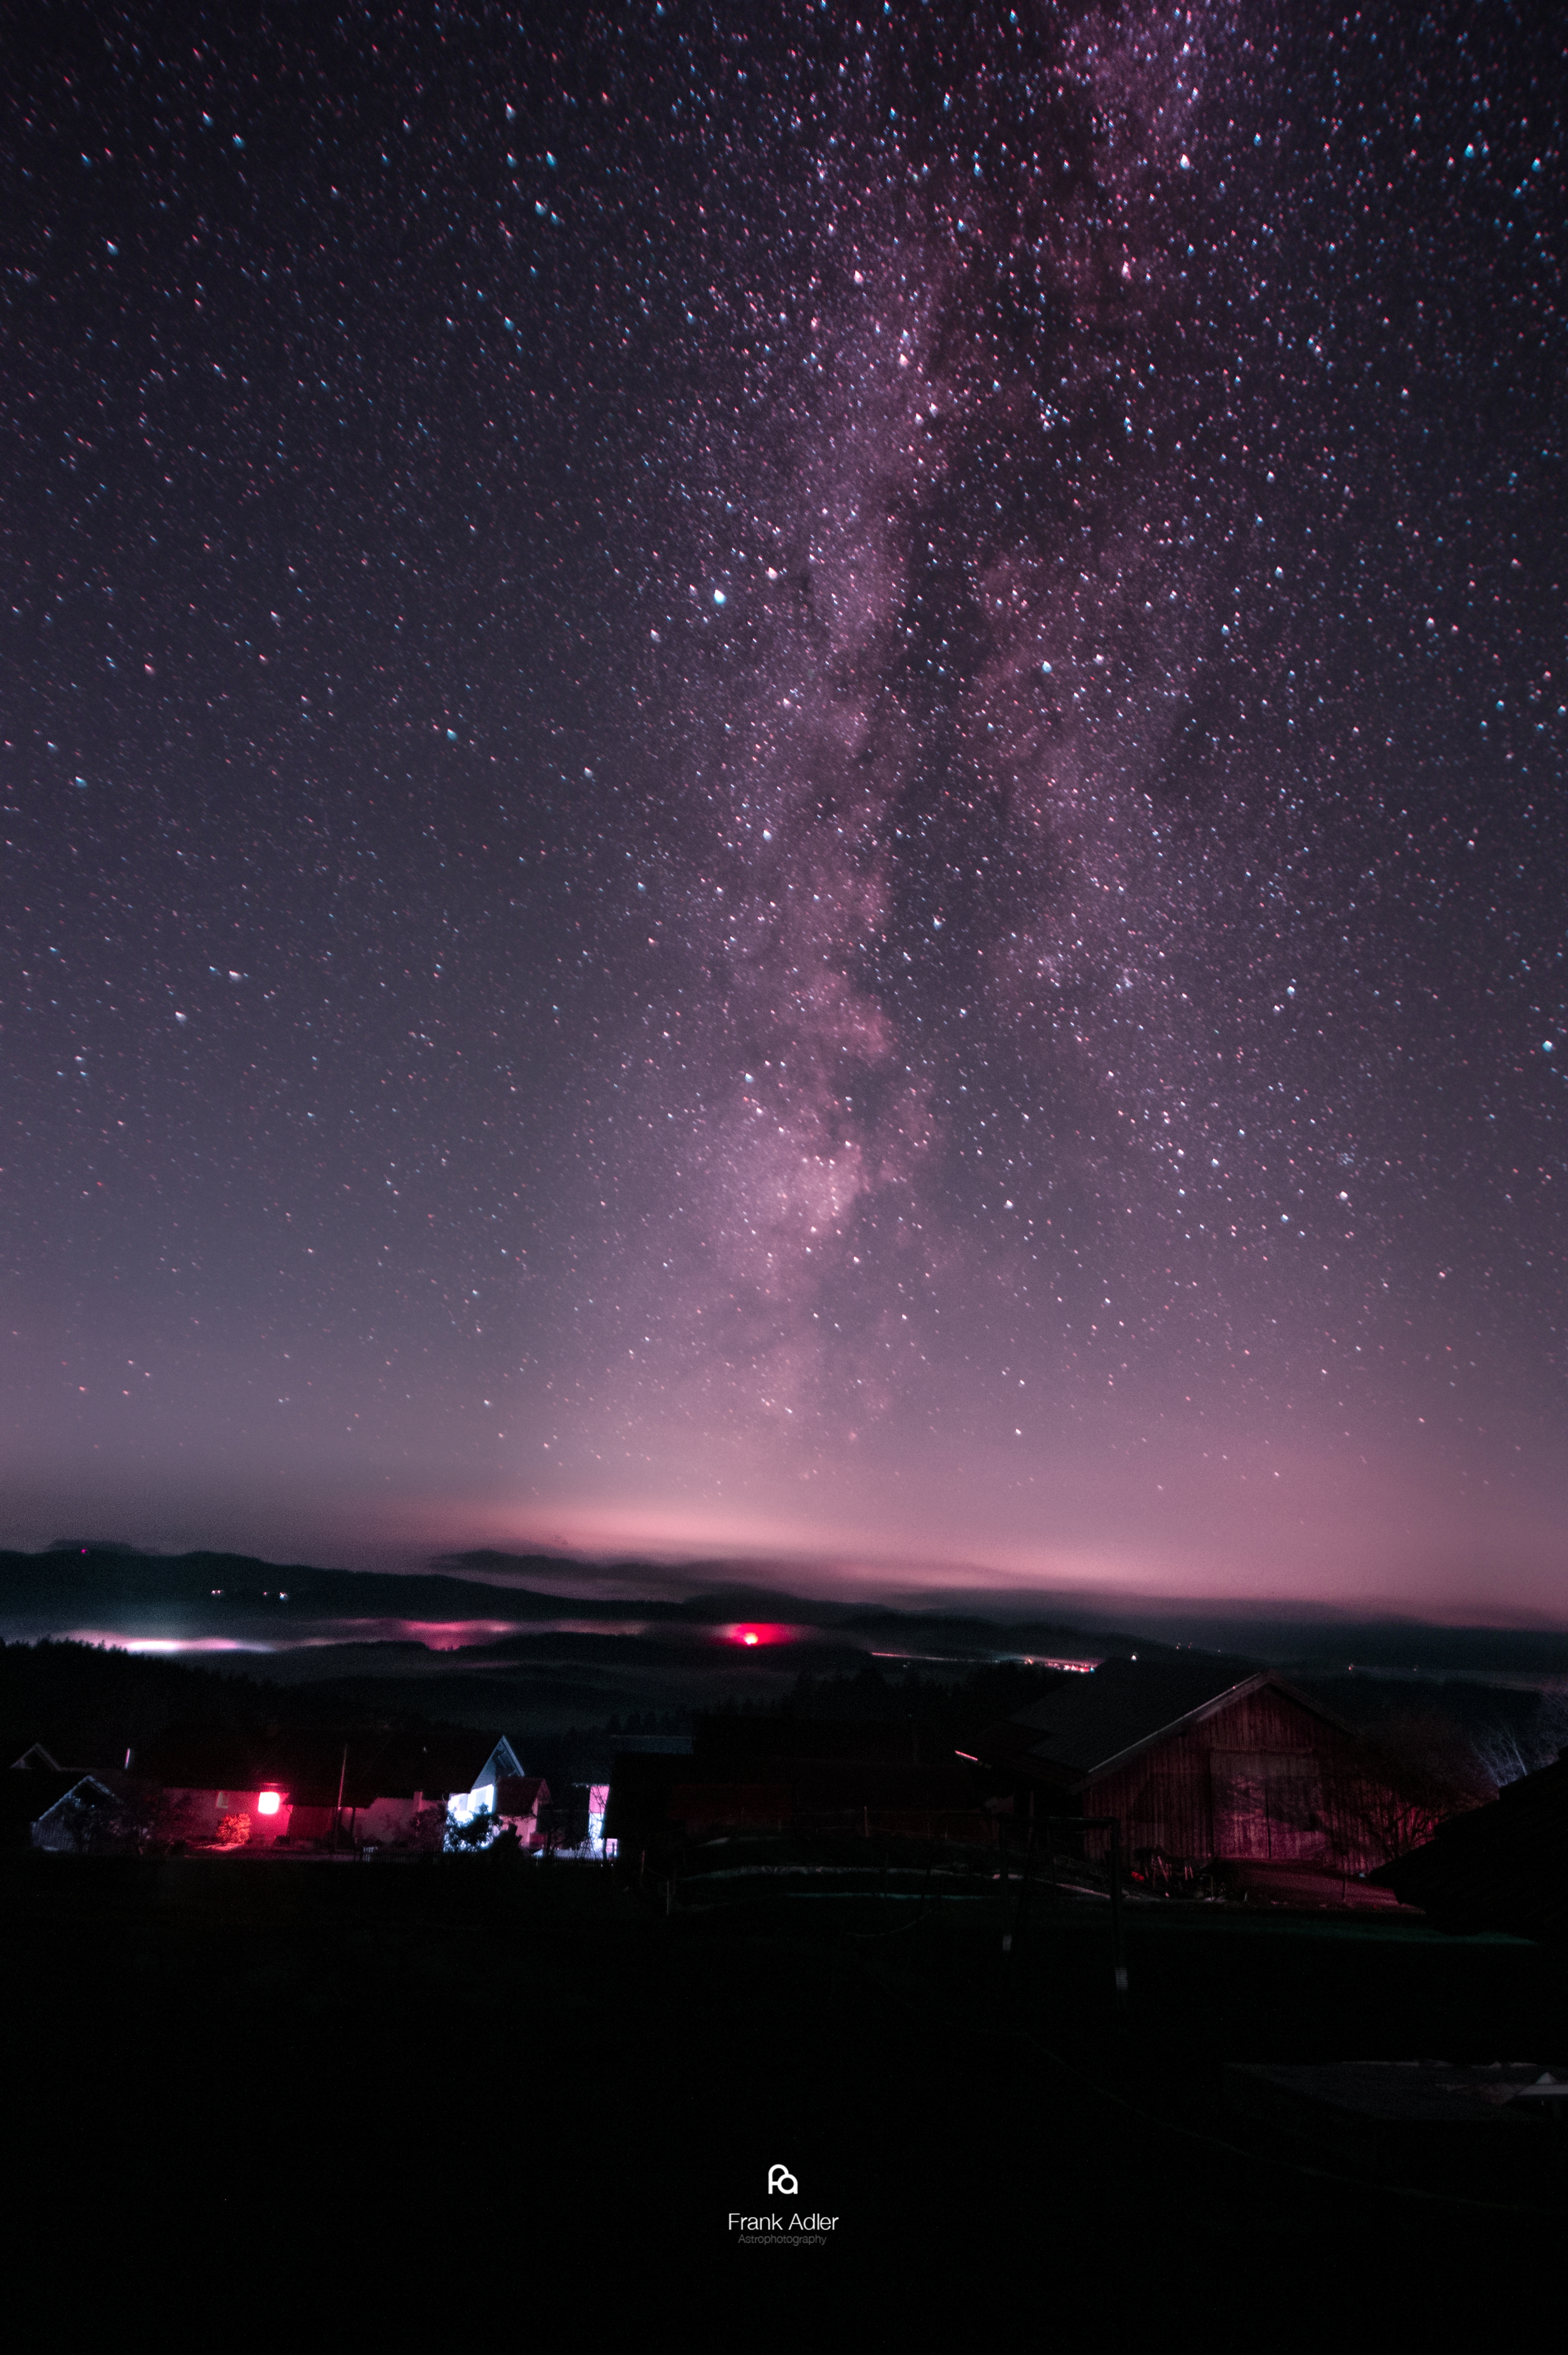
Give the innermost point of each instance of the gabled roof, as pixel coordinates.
(99, 1814)
(502, 1764)
(106, 1793)
(1089, 1725)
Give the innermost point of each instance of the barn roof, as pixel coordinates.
(1088, 1725)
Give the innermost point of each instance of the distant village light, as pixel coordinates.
(268, 1802)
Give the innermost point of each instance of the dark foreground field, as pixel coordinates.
(462, 2066)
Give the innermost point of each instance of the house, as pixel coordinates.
(520, 1804)
(493, 1779)
(228, 1789)
(234, 1788)
(1200, 1760)
(99, 1814)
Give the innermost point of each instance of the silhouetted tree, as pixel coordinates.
(1409, 1773)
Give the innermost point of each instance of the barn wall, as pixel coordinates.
(1263, 1779)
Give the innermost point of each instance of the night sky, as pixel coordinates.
(788, 784)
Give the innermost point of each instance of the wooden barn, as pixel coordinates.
(1200, 1760)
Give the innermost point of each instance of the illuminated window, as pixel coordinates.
(268, 1802)
(464, 1805)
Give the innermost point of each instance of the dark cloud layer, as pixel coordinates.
(792, 786)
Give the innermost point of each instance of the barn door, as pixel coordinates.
(1266, 1803)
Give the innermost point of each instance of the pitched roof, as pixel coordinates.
(1089, 1724)
(108, 1793)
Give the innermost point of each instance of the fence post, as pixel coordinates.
(1021, 1914)
(1118, 1947)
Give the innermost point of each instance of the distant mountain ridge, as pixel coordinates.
(241, 1596)
(119, 1592)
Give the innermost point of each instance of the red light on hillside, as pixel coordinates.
(268, 1802)
(750, 1636)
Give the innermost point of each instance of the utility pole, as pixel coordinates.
(337, 1811)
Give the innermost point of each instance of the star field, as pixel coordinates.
(791, 786)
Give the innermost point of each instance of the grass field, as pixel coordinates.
(340, 2038)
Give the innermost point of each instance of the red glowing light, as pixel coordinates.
(268, 1802)
(750, 1633)
(748, 1638)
